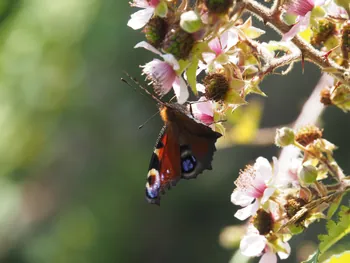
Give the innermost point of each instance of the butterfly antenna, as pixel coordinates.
(141, 87)
(150, 118)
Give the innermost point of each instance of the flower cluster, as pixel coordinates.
(206, 49)
(284, 202)
(209, 48)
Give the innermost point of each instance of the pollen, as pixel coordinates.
(245, 178)
(308, 134)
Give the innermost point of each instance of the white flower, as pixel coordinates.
(254, 245)
(140, 18)
(255, 185)
(163, 74)
(221, 53)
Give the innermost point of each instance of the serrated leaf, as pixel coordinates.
(336, 231)
(313, 258)
(191, 75)
(334, 207)
(340, 258)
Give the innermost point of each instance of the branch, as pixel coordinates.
(271, 17)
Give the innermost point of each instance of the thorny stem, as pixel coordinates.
(271, 17)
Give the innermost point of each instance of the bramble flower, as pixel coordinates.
(220, 55)
(140, 18)
(203, 110)
(304, 10)
(163, 74)
(255, 185)
(253, 244)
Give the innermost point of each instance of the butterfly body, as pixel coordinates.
(184, 149)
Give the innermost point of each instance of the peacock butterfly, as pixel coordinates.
(184, 149)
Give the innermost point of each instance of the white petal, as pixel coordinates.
(283, 255)
(203, 106)
(252, 245)
(241, 198)
(267, 194)
(208, 57)
(263, 168)
(147, 46)
(232, 39)
(141, 3)
(244, 213)
(171, 60)
(268, 257)
(140, 18)
(180, 89)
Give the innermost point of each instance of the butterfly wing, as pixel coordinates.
(164, 170)
(184, 149)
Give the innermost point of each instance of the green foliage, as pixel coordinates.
(336, 231)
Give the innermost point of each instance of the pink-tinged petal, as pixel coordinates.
(140, 18)
(244, 213)
(300, 7)
(147, 46)
(252, 245)
(268, 257)
(180, 89)
(283, 255)
(267, 194)
(172, 61)
(241, 198)
(161, 74)
(232, 40)
(208, 57)
(336, 11)
(263, 168)
(204, 106)
(298, 27)
(140, 3)
(215, 46)
(203, 110)
(319, 2)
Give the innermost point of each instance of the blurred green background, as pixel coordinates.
(73, 164)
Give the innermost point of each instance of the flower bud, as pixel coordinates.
(284, 136)
(326, 97)
(190, 22)
(307, 173)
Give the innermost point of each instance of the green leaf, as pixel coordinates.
(336, 231)
(340, 258)
(334, 207)
(313, 258)
(233, 97)
(191, 75)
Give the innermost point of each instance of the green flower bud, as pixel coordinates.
(307, 173)
(190, 22)
(284, 136)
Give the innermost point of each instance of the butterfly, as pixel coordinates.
(184, 149)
